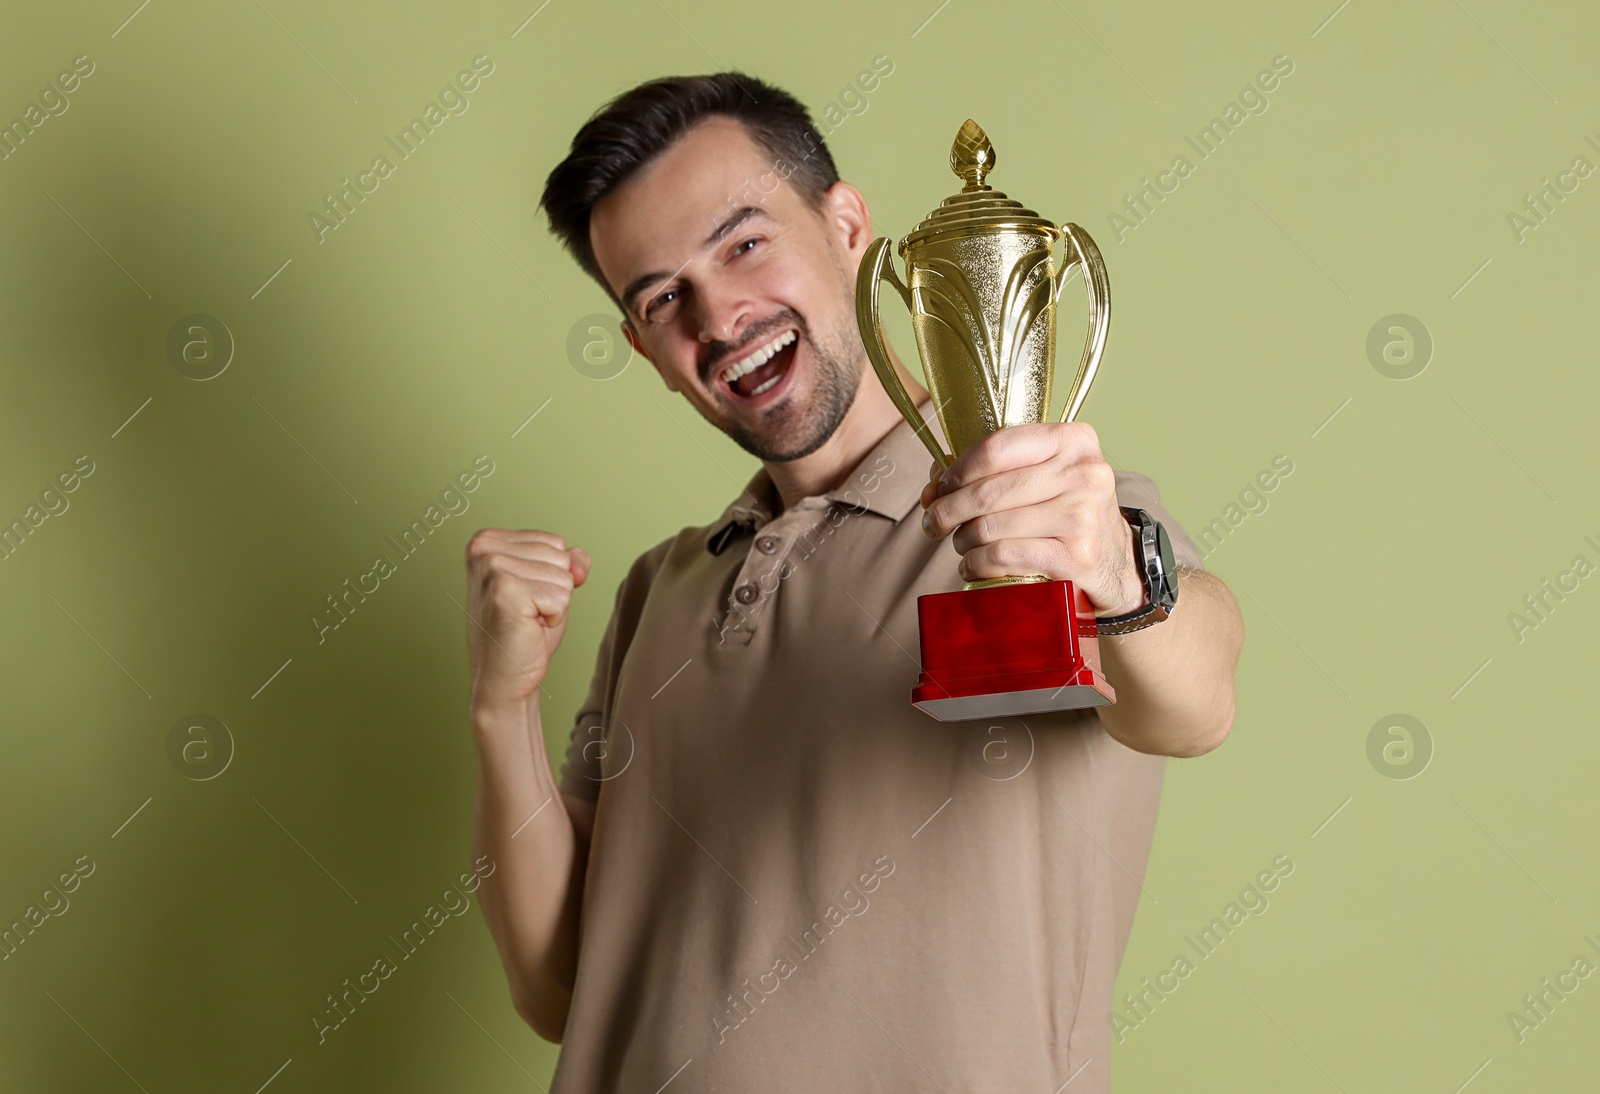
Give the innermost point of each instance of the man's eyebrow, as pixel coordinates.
(729, 223)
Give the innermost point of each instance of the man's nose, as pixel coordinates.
(723, 314)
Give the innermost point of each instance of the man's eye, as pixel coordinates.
(659, 300)
(737, 250)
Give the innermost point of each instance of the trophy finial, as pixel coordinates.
(972, 156)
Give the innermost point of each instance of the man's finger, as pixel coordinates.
(1010, 557)
(1018, 446)
(488, 539)
(531, 550)
(1013, 489)
(550, 599)
(582, 564)
(1045, 520)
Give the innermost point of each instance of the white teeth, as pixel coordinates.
(758, 358)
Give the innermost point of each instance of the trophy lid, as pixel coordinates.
(977, 206)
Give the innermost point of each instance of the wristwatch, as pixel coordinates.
(1152, 553)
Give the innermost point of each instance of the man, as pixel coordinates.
(762, 868)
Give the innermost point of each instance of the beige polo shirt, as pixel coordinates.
(800, 882)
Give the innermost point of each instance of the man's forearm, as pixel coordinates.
(1174, 680)
(531, 907)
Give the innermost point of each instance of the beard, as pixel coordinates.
(790, 429)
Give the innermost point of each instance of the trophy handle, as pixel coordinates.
(877, 266)
(1099, 288)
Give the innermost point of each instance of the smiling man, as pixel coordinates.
(760, 867)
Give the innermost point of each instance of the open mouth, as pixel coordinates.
(760, 382)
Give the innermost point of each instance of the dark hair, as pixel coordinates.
(637, 126)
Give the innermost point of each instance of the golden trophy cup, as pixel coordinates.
(982, 289)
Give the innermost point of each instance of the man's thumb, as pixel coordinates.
(580, 564)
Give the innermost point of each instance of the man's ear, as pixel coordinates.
(844, 212)
(638, 347)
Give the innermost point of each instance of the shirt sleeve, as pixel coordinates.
(1141, 492)
(586, 744)
(582, 772)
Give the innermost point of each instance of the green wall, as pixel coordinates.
(1377, 579)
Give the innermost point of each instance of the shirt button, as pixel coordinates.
(746, 594)
(767, 545)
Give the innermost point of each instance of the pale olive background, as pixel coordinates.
(380, 363)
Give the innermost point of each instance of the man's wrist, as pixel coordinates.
(1135, 594)
(1135, 598)
(1153, 565)
(499, 716)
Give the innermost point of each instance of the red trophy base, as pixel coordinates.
(1026, 648)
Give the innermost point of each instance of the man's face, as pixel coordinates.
(779, 275)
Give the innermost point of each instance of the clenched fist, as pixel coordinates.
(519, 585)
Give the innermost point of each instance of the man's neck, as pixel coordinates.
(868, 421)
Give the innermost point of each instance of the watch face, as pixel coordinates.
(1159, 572)
(1169, 576)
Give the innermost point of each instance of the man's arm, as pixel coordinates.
(538, 840)
(520, 586)
(1042, 499)
(1174, 679)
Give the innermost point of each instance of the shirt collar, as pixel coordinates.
(888, 481)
